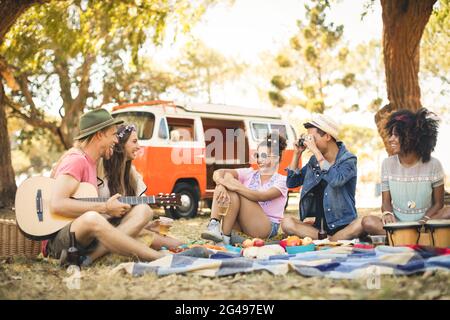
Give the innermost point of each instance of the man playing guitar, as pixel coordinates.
(93, 232)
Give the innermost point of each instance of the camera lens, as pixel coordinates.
(301, 142)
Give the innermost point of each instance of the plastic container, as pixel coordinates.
(379, 240)
(299, 249)
(233, 249)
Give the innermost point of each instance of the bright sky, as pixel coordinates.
(252, 26)
(249, 28)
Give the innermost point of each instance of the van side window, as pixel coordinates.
(162, 132)
(144, 121)
(181, 129)
(259, 130)
(280, 128)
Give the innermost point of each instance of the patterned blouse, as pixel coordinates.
(411, 188)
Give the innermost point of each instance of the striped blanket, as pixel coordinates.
(337, 263)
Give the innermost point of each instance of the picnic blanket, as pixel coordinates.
(337, 263)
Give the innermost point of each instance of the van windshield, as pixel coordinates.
(144, 121)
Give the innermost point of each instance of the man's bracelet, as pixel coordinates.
(387, 212)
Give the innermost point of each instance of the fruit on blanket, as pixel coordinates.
(283, 243)
(247, 243)
(262, 252)
(250, 252)
(292, 241)
(258, 242)
(306, 241)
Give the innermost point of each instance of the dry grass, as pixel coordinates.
(44, 279)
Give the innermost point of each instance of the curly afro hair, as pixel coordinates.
(417, 132)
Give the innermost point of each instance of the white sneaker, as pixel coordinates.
(212, 231)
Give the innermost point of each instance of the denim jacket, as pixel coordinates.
(339, 194)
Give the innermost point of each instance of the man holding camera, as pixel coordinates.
(329, 184)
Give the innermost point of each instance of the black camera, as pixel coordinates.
(301, 142)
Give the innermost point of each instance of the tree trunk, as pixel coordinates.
(10, 10)
(7, 178)
(403, 24)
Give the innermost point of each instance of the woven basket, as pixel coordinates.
(13, 243)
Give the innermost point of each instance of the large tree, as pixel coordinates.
(404, 22)
(67, 53)
(70, 53)
(10, 10)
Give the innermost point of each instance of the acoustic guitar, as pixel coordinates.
(37, 222)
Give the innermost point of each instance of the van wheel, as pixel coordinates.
(189, 201)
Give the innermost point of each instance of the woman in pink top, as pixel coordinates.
(257, 197)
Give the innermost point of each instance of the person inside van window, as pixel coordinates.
(329, 184)
(412, 181)
(254, 199)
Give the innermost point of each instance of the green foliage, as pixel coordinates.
(283, 61)
(32, 151)
(199, 68)
(277, 99)
(310, 65)
(363, 71)
(348, 80)
(435, 44)
(361, 141)
(77, 54)
(279, 83)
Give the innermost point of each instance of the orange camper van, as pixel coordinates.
(182, 145)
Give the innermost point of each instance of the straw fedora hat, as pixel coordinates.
(325, 123)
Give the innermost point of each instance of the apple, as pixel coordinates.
(247, 243)
(292, 241)
(307, 240)
(283, 243)
(258, 242)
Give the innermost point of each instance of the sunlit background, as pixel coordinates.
(244, 43)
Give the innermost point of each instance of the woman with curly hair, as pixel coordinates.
(412, 181)
(257, 197)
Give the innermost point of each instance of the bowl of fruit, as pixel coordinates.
(294, 244)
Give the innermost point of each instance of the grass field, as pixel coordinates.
(44, 279)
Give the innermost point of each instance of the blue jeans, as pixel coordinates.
(274, 231)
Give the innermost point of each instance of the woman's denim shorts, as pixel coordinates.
(274, 231)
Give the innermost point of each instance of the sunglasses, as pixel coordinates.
(264, 155)
(124, 130)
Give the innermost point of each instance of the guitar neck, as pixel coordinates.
(133, 201)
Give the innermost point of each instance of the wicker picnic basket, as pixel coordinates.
(14, 243)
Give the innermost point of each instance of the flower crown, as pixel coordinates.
(124, 130)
